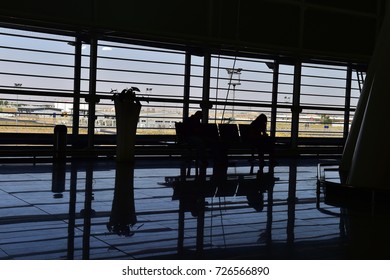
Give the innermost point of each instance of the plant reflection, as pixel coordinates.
(123, 216)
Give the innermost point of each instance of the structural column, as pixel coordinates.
(365, 159)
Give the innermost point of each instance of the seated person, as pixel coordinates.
(206, 144)
(192, 129)
(259, 128)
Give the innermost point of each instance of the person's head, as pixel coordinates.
(261, 122)
(198, 115)
(262, 118)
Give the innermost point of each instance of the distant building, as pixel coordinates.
(39, 111)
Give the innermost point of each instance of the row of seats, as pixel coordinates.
(231, 135)
(218, 141)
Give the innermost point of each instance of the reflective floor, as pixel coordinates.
(156, 209)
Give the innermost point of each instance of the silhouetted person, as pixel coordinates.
(192, 128)
(205, 141)
(261, 140)
(260, 123)
(192, 135)
(197, 117)
(256, 200)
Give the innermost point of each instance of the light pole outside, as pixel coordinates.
(234, 80)
(17, 86)
(148, 93)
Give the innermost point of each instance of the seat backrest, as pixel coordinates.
(180, 138)
(245, 133)
(228, 133)
(210, 132)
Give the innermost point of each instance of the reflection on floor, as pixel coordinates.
(156, 210)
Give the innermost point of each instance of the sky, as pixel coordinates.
(121, 66)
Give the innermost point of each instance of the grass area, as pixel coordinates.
(46, 125)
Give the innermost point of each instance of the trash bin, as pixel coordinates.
(58, 178)
(60, 141)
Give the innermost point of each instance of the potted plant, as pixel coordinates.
(127, 110)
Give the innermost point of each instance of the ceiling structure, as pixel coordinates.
(328, 29)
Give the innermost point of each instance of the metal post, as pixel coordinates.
(76, 90)
(205, 105)
(296, 110)
(275, 84)
(92, 92)
(88, 211)
(291, 201)
(72, 210)
(348, 87)
(187, 83)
